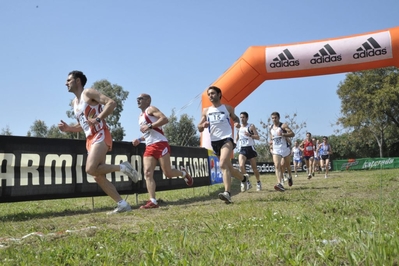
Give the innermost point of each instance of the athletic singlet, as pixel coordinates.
(279, 142)
(315, 152)
(219, 123)
(297, 153)
(153, 135)
(324, 149)
(245, 141)
(83, 111)
(308, 149)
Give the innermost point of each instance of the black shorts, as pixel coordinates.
(217, 145)
(325, 157)
(249, 152)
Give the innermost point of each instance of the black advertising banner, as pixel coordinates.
(42, 168)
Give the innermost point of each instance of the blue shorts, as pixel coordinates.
(249, 152)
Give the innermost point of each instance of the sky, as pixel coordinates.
(172, 50)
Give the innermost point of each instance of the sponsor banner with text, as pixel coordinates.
(41, 168)
(329, 53)
(366, 163)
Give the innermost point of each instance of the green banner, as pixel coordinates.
(366, 163)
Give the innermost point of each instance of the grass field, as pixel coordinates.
(351, 218)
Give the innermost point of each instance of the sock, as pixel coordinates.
(258, 182)
(228, 192)
(122, 167)
(184, 173)
(121, 202)
(154, 201)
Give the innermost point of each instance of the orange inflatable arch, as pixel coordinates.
(329, 56)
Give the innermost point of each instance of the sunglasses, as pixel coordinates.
(140, 98)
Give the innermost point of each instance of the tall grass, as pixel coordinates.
(351, 218)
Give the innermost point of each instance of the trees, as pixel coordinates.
(6, 131)
(181, 132)
(369, 105)
(38, 129)
(116, 93)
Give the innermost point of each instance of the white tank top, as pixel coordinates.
(219, 123)
(279, 142)
(83, 111)
(245, 141)
(153, 135)
(297, 153)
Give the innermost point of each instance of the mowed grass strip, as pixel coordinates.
(350, 218)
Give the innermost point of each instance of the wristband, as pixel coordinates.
(98, 120)
(149, 126)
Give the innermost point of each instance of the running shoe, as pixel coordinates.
(259, 186)
(243, 187)
(149, 205)
(279, 187)
(249, 185)
(290, 182)
(189, 180)
(122, 207)
(309, 176)
(130, 172)
(225, 196)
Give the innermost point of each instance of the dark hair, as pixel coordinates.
(76, 74)
(310, 134)
(217, 89)
(325, 137)
(245, 114)
(276, 114)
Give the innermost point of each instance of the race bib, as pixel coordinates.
(216, 117)
(277, 141)
(244, 141)
(83, 123)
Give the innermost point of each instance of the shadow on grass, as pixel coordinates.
(26, 216)
(196, 200)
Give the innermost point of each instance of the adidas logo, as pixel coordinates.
(325, 55)
(369, 48)
(285, 59)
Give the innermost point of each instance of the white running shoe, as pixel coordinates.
(249, 185)
(122, 207)
(130, 172)
(225, 196)
(243, 187)
(259, 186)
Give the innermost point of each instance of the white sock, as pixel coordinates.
(122, 167)
(122, 202)
(184, 173)
(153, 200)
